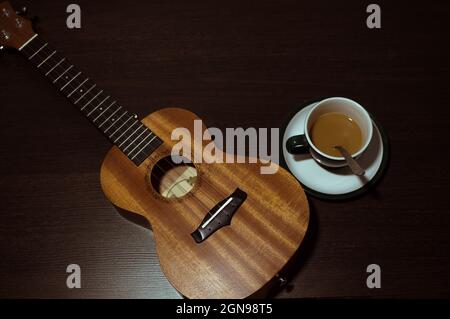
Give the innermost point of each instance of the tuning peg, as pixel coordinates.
(5, 35)
(22, 11)
(3, 50)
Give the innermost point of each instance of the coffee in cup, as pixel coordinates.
(336, 129)
(333, 122)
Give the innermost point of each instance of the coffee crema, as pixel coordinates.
(336, 129)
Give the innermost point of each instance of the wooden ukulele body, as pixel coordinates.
(237, 260)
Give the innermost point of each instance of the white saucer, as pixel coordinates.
(334, 183)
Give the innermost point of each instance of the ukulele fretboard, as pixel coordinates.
(123, 129)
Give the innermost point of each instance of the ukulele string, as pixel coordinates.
(156, 164)
(166, 160)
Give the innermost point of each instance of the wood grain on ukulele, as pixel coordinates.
(266, 216)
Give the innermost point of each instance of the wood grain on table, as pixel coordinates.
(245, 64)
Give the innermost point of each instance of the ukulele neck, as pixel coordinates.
(121, 127)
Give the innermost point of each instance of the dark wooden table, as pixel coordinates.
(236, 64)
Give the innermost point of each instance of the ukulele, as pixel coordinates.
(222, 230)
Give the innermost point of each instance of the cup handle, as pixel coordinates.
(297, 144)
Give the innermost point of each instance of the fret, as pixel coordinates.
(120, 127)
(131, 152)
(99, 92)
(146, 150)
(104, 111)
(55, 66)
(110, 116)
(32, 56)
(145, 130)
(134, 139)
(118, 119)
(70, 81)
(117, 139)
(87, 79)
(141, 151)
(98, 106)
(63, 73)
(46, 59)
(85, 93)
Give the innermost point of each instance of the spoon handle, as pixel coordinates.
(354, 166)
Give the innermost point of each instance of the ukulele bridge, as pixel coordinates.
(219, 216)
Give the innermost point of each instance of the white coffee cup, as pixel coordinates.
(302, 143)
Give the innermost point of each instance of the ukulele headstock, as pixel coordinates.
(15, 30)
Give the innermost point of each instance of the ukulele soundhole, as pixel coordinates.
(172, 180)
